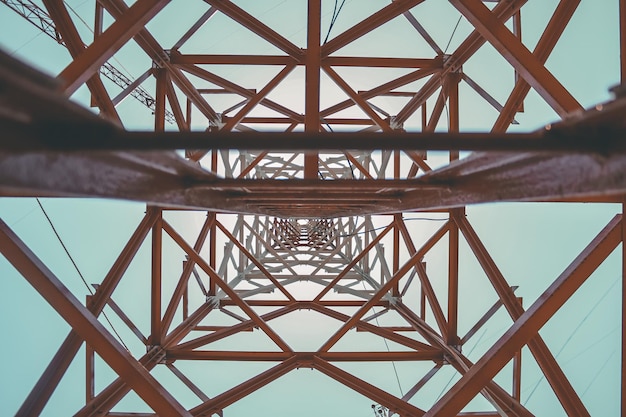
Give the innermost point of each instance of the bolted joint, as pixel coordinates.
(213, 300)
(156, 353)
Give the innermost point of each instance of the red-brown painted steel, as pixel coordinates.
(529, 323)
(549, 170)
(86, 325)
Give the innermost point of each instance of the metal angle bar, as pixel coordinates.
(421, 271)
(557, 24)
(496, 395)
(225, 287)
(367, 25)
(245, 19)
(510, 47)
(156, 274)
(255, 261)
(120, 313)
(354, 261)
(211, 59)
(394, 404)
(484, 94)
(503, 10)
(360, 101)
(244, 92)
(188, 269)
(132, 87)
(245, 171)
(48, 381)
(369, 62)
(185, 380)
(194, 28)
(233, 315)
(483, 320)
(122, 30)
(257, 98)
(312, 84)
(85, 324)
(264, 356)
(244, 389)
(364, 326)
(413, 21)
(440, 104)
(420, 384)
(237, 328)
(358, 165)
(113, 393)
(529, 323)
(172, 98)
(151, 47)
(415, 258)
(198, 280)
(380, 90)
(543, 356)
(75, 46)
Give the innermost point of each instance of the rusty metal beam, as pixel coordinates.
(394, 404)
(49, 380)
(551, 35)
(367, 25)
(503, 11)
(117, 9)
(86, 325)
(193, 255)
(247, 20)
(105, 45)
(246, 388)
(230, 355)
(257, 98)
(529, 323)
(546, 361)
(114, 392)
(526, 64)
(75, 46)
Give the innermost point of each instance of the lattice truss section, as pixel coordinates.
(358, 244)
(243, 279)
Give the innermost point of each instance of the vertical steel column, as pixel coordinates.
(517, 368)
(155, 290)
(157, 230)
(159, 108)
(188, 113)
(396, 229)
(89, 367)
(312, 80)
(517, 31)
(97, 31)
(212, 252)
(453, 234)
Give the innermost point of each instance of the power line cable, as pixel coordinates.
(393, 363)
(336, 10)
(567, 341)
(452, 35)
(432, 219)
(56, 233)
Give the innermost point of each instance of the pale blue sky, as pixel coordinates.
(531, 243)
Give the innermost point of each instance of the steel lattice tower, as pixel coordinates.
(299, 187)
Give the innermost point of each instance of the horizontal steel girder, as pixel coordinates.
(165, 179)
